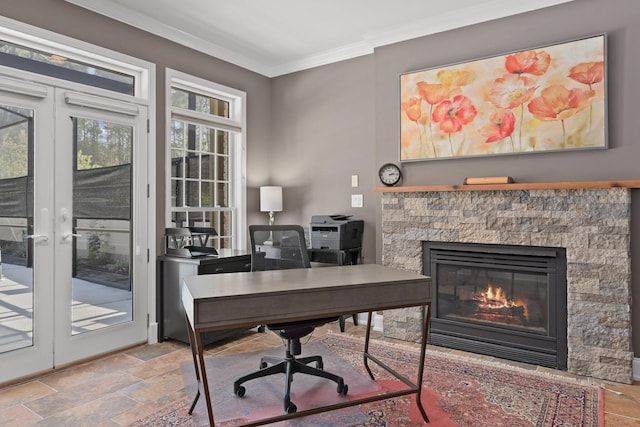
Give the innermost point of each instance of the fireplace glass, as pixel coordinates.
(516, 300)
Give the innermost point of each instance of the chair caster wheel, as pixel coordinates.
(240, 391)
(263, 365)
(290, 408)
(320, 365)
(343, 389)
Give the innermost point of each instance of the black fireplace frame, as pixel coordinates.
(549, 349)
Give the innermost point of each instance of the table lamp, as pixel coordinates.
(271, 200)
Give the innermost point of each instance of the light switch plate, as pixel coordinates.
(354, 180)
(357, 201)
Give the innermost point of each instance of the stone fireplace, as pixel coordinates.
(590, 222)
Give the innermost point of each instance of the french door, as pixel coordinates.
(73, 196)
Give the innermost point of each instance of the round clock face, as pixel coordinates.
(390, 174)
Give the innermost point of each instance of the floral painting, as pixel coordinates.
(547, 98)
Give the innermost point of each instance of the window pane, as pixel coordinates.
(14, 141)
(207, 139)
(193, 166)
(50, 64)
(222, 198)
(208, 189)
(177, 163)
(177, 199)
(179, 219)
(222, 142)
(222, 163)
(207, 167)
(225, 243)
(178, 134)
(192, 198)
(225, 224)
(102, 144)
(197, 102)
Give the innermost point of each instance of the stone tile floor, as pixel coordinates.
(118, 389)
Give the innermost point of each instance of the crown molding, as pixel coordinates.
(475, 14)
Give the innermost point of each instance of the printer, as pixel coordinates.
(336, 232)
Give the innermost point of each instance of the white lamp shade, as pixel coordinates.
(271, 199)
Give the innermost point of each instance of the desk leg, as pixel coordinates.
(195, 339)
(423, 348)
(366, 346)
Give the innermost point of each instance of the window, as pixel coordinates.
(206, 152)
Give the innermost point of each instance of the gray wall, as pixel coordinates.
(322, 135)
(310, 131)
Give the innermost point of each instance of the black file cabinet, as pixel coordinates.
(171, 271)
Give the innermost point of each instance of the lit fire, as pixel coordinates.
(494, 303)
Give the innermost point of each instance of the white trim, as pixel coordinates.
(376, 321)
(100, 103)
(477, 13)
(19, 87)
(636, 369)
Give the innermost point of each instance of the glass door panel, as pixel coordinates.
(16, 217)
(102, 185)
(26, 250)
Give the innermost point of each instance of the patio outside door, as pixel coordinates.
(73, 282)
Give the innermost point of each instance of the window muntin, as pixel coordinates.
(205, 168)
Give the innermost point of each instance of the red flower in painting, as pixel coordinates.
(511, 90)
(453, 114)
(433, 93)
(502, 124)
(559, 103)
(528, 62)
(413, 109)
(588, 72)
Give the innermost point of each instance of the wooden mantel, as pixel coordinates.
(514, 186)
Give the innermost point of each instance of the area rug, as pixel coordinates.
(457, 391)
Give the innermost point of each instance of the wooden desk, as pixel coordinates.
(243, 299)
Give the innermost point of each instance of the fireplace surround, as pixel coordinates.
(590, 220)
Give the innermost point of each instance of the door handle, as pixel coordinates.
(35, 237)
(43, 227)
(70, 235)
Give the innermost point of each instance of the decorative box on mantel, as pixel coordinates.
(590, 220)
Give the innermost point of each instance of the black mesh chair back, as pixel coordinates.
(278, 247)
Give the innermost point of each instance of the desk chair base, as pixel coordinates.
(289, 366)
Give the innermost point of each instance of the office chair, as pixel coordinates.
(278, 247)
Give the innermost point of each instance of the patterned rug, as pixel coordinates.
(457, 391)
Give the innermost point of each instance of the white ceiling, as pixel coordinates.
(275, 37)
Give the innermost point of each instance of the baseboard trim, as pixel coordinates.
(636, 369)
(152, 332)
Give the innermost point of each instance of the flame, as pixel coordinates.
(495, 298)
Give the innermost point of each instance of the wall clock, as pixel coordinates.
(389, 174)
